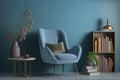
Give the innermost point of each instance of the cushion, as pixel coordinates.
(66, 56)
(56, 48)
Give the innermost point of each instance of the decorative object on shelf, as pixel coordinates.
(15, 50)
(107, 27)
(91, 59)
(24, 26)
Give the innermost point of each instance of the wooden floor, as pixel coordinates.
(65, 76)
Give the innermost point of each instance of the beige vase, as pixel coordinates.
(15, 50)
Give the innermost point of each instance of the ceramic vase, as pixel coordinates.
(15, 50)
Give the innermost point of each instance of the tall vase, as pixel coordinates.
(15, 50)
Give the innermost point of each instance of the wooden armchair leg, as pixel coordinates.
(76, 69)
(54, 68)
(62, 67)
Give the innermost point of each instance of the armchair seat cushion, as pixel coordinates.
(65, 56)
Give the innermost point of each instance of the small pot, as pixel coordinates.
(89, 63)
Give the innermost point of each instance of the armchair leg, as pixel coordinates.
(76, 69)
(54, 68)
(62, 67)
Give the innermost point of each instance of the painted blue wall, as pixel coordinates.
(77, 17)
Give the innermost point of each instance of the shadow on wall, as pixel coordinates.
(4, 49)
(86, 46)
(99, 25)
(31, 46)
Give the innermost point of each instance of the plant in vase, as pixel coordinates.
(24, 26)
(91, 59)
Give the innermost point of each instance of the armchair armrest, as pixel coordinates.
(77, 50)
(48, 56)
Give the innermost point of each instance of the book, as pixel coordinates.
(90, 74)
(95, 45)
(90, 67)
(110, 64)
(99, 44)
(111, 45)
(89, 70)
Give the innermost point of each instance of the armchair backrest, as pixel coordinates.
(52, 36)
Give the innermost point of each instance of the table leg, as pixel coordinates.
(30, 67)
(25, 68)
(14, 68)
(19, 68)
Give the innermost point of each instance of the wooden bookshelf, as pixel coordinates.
(104, 47)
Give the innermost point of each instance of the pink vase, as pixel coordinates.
(15, 50)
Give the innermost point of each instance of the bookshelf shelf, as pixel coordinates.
(104, 52)
(104, 47)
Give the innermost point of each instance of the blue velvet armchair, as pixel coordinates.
(54, 36)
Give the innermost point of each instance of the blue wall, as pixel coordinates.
(77, 17)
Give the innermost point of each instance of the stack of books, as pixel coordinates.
(90, 70)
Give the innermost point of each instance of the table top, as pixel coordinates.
(22, 59)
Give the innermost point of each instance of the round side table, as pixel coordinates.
(27, 62)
